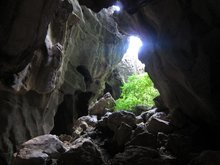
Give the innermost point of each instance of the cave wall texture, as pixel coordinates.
(55, 57)
(43, 73)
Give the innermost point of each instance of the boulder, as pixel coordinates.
(155, 125)
(104, 104)
(115, 119)
(39, 150)
(146, 115)
(82, 152)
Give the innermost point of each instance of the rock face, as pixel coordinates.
(41, 75)
(92, 49)
(62, 72)
(39, 150)
(23, 29)
(179, 42)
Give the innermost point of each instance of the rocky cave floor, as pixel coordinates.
(118, 138)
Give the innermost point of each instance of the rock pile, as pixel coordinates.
(117, 138)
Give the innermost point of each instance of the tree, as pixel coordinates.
(139, 90)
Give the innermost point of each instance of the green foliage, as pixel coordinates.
(139, 90)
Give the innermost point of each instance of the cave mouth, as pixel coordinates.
(131, 55)
(134, 47)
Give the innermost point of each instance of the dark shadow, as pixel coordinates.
(85, 73)
(64, 117)
(82, 102)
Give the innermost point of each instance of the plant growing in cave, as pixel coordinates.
(139, 90)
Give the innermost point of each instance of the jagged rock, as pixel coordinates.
(146, 115)
(39, 150)
(123, 134)
(160, 115)
(116, 118)
(82, 152)
(138, 155)
(83, 125)
(91, 120)
(21, 34)
(180, 42)
(155, 114)
(61, 73)
(207, 158)
(139, 129)
(139, 120)
(66, 138)
(104, 104)
(85, 69)
(144, 139)
(155, 125)
(33, 114)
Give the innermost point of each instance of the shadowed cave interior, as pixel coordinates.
(62, 66)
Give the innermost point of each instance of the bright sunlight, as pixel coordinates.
(135, 44)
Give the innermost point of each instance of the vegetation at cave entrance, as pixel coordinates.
(139, 90)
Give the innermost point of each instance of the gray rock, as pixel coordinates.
(115, 119)
(146, 115)
(82, 152)
(91, 120)
(39, 150)
(155, 125)
(160, 115)
(104, 104)
(139, 120)
(92, 47)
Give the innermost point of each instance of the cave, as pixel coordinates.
(59, 59)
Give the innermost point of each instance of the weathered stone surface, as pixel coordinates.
(22, 117)
(23, 29)
(178, 53)
(82, 152)
(92, 49)
(155, 125)
(139, 120)
(104, 104)
(46, 72)
(85, 68)
(116, 118)
(83, 125)
(146, 115)
(180, 38)
(39, 150)
(90, 120)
